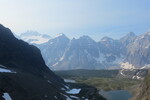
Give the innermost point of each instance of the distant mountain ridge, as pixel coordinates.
(131, 51)
(34, 37)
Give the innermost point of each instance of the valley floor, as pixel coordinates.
(107, 81)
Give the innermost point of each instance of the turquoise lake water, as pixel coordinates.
(116, 95)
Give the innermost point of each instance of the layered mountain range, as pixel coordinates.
(25, 76)
(131, 51)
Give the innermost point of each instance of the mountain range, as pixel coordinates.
(25, 76)
(128, 52)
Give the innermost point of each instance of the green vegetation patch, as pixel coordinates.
(101, 79)
(88, 73)
(108, 83)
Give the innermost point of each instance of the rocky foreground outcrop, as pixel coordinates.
(143, 91)
(133, 73)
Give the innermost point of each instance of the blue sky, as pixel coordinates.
(96, 18)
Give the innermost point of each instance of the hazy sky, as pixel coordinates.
(95, 18)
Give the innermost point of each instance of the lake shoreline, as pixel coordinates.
(116, 94)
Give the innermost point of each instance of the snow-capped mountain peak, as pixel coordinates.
(60, 35)
(106, 39)
(148, 32)
(34, 37)
(30, 33)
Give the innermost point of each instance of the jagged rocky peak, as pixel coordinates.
(59, 39)
(54, 49)
(61, 35)
(138, 51)
(132, 34)
(109, 42)
(144, 36)
(73, 39)
(30, 33)
(85, 37)
(128, 37)
(147, 33)
(86, 40)
(106, 39)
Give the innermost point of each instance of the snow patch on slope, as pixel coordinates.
(73, 91)
(101, 58)
(58, 35)
(146, 66)
(69, 80)
(6, 96)
(127, 65)
(36, 39)
(6, 70)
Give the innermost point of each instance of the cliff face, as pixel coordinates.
(20, 56)
(145, 89)
(138, 51)
(23, 73)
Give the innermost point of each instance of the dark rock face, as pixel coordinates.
(22, 86)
